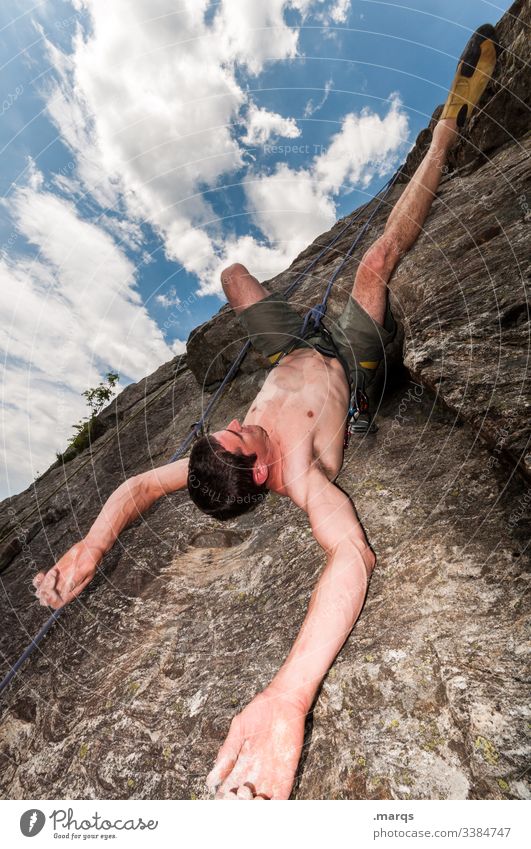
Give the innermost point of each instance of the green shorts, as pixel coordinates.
(274, 327)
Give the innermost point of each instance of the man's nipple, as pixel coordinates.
(310, 414)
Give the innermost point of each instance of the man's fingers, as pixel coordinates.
(229, 796)
(47, 582)
(226, 792)
(71, 578)
(49, 598)
(222, 767)
(62, 584)
(226, 758)
(55, 603)
(244, 792)
(47, 593)
(245, 773)
(77, 590)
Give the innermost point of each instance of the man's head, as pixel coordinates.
(228, 470)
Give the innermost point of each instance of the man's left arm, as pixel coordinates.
(339, 595)
(262, 750)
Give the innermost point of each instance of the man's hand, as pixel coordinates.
(69, 576)
(259, 758)
(77, 567)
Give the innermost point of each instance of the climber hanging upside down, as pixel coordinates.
(291, 442)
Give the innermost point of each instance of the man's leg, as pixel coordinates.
(271, 324)
(404, 224)
(241, 288)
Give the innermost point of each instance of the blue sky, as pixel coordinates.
(146, 146)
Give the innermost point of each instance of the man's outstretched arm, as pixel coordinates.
(77, 567)
(337, 599)
(262, 749)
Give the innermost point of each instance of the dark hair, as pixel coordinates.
(221, 483)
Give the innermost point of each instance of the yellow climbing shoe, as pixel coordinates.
(474, 71)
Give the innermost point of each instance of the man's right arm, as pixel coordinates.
(77, 567)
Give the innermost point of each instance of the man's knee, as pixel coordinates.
(232, 274)
(382, 256)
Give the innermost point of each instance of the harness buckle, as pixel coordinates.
(359, 419)
(202, 428)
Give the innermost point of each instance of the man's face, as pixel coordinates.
(244, 439)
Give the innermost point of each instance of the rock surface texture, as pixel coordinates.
(132, 692)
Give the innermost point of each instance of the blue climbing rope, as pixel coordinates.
(29, 649)
(315, 314)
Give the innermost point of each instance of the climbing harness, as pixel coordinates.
(357, 408)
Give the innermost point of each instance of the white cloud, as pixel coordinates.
(66, 317)
(263, 259)
(93, 278)
(126, 232)
(68, 187)
(262, 124)
(153, 123)
(171, 299)
(37, 415)
(149, 110)
(251, 33)
(366, 146)
(157, 122)
(190, 246)
(332, 15)
(292, 206)
(311, 108)
(178, 347)
(340, 12)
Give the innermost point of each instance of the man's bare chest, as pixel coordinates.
(304, 402)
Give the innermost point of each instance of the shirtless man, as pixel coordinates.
(291, 442)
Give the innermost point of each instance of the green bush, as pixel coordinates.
(90, 428)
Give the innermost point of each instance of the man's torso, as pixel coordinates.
(304, 402)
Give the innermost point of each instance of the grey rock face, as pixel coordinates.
(132, 693)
